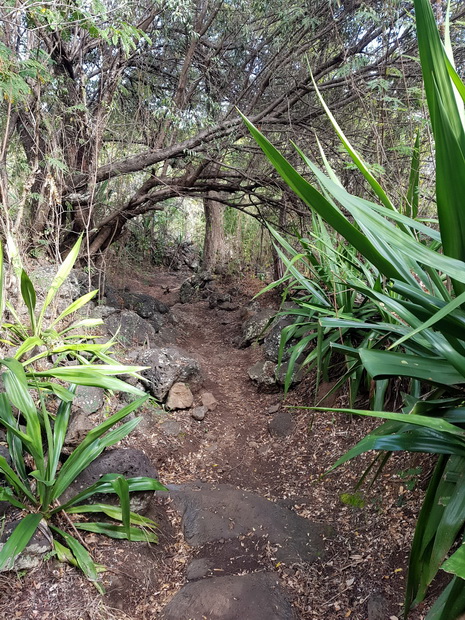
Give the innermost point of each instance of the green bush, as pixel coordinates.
(35, 411)
(420, 283)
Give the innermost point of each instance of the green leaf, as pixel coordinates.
(82, 557)
(76, 305)
(118, 531)
(18, 540)
(28, 294)
(385, 363)
(121, 488)
(61, 275)
(91, 447)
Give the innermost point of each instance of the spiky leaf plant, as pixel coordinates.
(421, 284)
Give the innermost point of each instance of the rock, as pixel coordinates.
(198, 568)
(274, 408)
(196, 287)
(209, 401)
(79, 426)
(102, 312)
(171, 428)
(263, 374)
(217, 298)
(281, 372)
(213, 512)
(38, 546)
(256, 326)
(179, 397)
(229, 306)
(167, 365)
(130, 329)
(145, 306)
(256, 596)
(272, 340)
(88, 398)
(128, 462)
(282, 424)
(42, 278)
(377, 607)
(198, 413)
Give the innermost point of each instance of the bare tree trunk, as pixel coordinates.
(214, 241)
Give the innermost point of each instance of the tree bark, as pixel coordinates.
(214, 242)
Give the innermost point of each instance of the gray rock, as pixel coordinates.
(281, 372)
(282, 424)
(274, 408)
(179, 397)
(256, 596)
(168, 365)
(171, 428)
(198, 413)
(102, 312)
(128, 462)
(273, 339)
(263, 373)
(130, 328)
(216, 298)
(145, 306)
(78, 427)
(38, 546)
(198, 568)
(196, 287)
(210, 513)
(42, 278)
(377, 607)
(256, 326)
(88, 398)
(209, 401)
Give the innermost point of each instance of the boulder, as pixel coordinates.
(70, 290)
(256, 596)
(145, 306)
(273, 339)
(214, 512)
(196, 287)
(128, 462)
(255, 327)
(88, 398)
(79, 425)
(130, 328)
(179, 397)
(168, 365)
(263, 373)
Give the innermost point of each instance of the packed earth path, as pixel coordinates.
(252, 457)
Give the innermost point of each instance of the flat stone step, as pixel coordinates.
(256, 596)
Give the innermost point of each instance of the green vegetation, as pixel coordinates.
(35, 409)
(414, 275)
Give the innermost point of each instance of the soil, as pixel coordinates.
(366, 560)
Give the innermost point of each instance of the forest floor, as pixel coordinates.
(362, 575)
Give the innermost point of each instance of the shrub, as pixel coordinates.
(35, 411)
(420, 282)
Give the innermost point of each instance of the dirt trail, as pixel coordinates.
(232, 444)
(366, 563)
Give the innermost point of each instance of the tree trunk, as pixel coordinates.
(214, 241)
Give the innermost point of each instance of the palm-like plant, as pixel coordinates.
(421, 284)
(35, 411)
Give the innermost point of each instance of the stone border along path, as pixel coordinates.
(230, 529)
